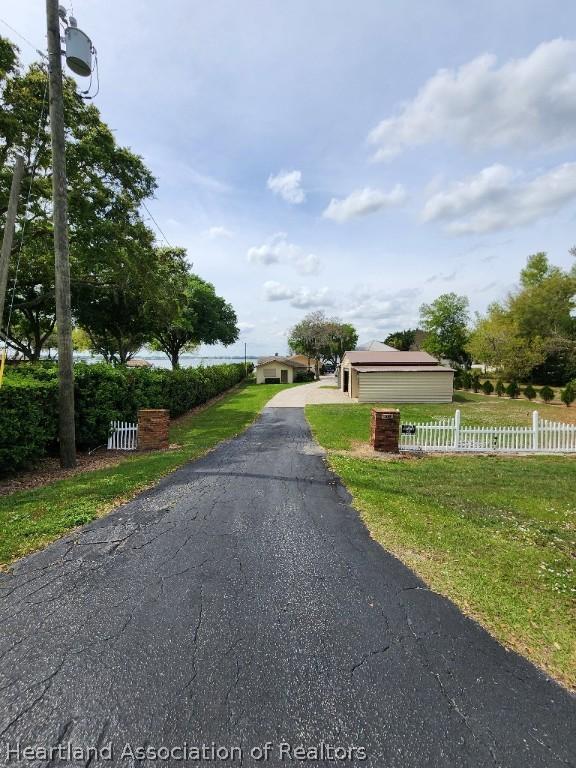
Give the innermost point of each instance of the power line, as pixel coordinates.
(156, 223)
(25, 39)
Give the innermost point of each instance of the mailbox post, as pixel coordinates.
(385, 429)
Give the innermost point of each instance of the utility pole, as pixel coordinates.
(245, 361)
(9, 230)
(61, 251)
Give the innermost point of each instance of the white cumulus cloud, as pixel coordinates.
(216, 232)
(380, 308)
(288, 186)
(277, 250)
(362, 202)
(526, 101)
(300, 298)
(274, 291)
(498, 198)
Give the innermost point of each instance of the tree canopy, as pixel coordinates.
(445, 321)
(199, 316)
(125, 291)
(401, 340)
(322, 338)
(532, 334)
(109, 241)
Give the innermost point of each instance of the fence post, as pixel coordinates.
(456, 440)
(535, 435)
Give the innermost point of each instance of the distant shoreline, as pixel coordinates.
(161, 361)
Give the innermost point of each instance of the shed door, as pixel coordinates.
(284, 377)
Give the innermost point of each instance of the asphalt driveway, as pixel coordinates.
(242, 601)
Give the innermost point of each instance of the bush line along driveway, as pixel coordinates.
(31, 519)
(497, 534)
(242, 601)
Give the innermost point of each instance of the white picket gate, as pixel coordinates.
(123, 436)
(543, 436)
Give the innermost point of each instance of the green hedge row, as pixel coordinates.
(28, 421)
(29, 402)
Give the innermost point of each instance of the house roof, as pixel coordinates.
(357, 357)
(138, 362)
(402, 369)
(277, 359)
(303, 359)
(374, 346)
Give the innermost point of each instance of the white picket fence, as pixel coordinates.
(123, 436)
(449, 435)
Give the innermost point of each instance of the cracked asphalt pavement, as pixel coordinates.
(242, 601)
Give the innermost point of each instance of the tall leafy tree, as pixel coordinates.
(445, 321)
(308, 337)
(340, 338)
(120, 307)
(109, 242)
(199, 316)
(322, 338)
(497, 343)
(532, 334)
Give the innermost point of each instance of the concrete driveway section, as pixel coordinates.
(241, 602)
(323, 392)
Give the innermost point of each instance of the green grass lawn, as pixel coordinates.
(31, 519)
(496, 534)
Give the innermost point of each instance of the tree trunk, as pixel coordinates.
(175, 359)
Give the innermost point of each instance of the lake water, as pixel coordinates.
(161, 361)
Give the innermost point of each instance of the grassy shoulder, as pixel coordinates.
(497, 535)
(31, 519)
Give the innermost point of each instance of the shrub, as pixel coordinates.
(487, 387)
(103, 393)
(529, 392)
(500, 388)
(459, 378)
(304, 376)
(513, 390)
(568, 394)
(466, 380)
(475, 382)
(547, 394)
(28, 421)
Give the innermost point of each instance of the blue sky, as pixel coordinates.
(358, 157)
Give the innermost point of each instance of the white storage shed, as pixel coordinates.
(395, 377)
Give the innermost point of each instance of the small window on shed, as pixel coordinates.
(269, 373)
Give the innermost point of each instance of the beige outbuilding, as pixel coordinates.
(277, 370)
(395, 377)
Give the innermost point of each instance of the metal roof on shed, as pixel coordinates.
(390, 358)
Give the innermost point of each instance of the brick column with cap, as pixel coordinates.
(153, 426)
(385, 429)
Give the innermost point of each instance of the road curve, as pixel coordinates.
(242, 601)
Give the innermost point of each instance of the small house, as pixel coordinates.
(277, 370)
(395, 377)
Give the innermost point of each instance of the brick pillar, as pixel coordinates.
(153, 425)
(385, 429)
